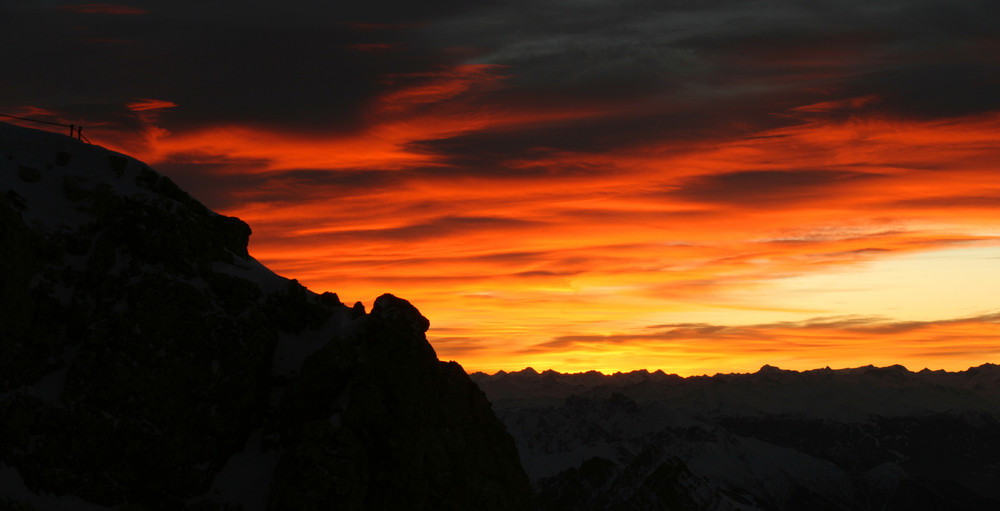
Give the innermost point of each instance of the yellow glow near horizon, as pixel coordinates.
(912, 315)
(925, 286)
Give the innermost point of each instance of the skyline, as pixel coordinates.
(697, 188)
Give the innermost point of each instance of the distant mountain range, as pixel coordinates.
(148, 362)
(867, 438)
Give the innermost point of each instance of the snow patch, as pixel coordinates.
(46, 163)
(252, 270)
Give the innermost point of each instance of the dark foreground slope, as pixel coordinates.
(862, 439)
(148, 362)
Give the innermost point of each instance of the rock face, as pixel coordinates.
(864, 438)
(148, 362)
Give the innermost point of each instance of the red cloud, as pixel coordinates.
(145, 104)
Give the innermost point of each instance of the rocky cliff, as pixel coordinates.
(148, 362)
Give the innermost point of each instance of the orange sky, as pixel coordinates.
(665, 255)
(791, 190)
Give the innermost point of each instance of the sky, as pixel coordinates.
(695, 186)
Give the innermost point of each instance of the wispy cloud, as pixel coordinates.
(146, 104)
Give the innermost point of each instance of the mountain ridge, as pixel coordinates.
(858, 438)
(530, 370)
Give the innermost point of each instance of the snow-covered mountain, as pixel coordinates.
(863, 438)
(148, 362)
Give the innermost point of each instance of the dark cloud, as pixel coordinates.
(545, 273)
(862, 324)
(952, 202)
(432, 229)
(687, 72)
(760, 187)
(307, 65)
(640, 72)
(301, 66)
(106, 8)
(704, 53)
(632, 125)
(967, 19)
(707, 332)
(920, 59)
(296, 186)
(935, 90)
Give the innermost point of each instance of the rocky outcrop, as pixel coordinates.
(148, 362)
(408, 429)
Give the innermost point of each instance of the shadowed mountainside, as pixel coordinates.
(148, 362)
(864, 438)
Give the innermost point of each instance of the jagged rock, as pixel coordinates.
(148, 362)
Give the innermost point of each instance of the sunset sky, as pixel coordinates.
(697, 187)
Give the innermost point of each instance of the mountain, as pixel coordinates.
(147, 361)
(864, 438)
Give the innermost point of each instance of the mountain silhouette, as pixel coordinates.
(862, 439)
(147, 361)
